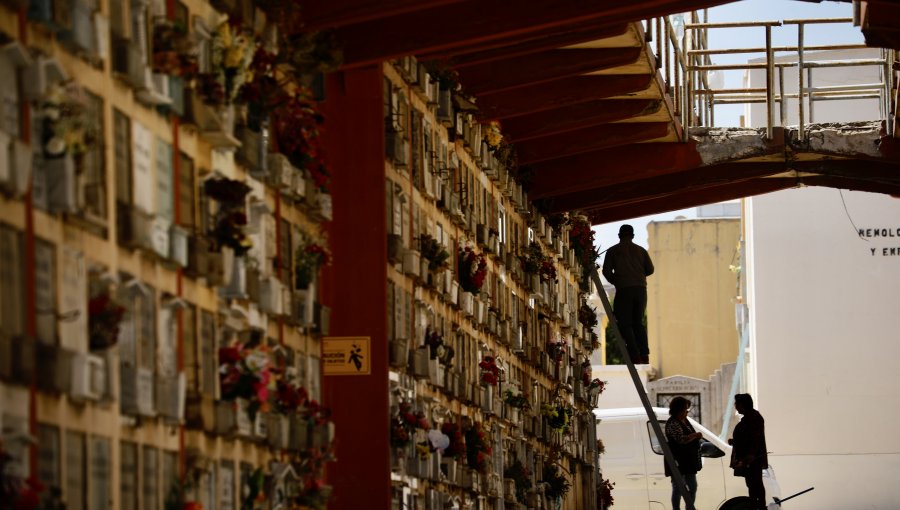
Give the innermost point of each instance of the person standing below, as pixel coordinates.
(749, 457)
(684, 442)
(627, 267)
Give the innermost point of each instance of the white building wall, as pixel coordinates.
(825, 309)
(824, 314)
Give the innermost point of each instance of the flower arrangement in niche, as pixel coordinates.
(104, 317)
(404, 423)
(309, 259)
(472, 270)
(522, 478)
(437, 348)
(230, 219)
(67, 123)
(581, 238)
(558, 416)
(535, 262)
(232, 51)
(499, 147)
(490, 372)
(262, 92)
(478, 448)
(587, 316)
(604, 493)
(517, 400)
(245, 372)
(174, 50)
(289, 397)
(457, 444)
(586, 371)
(557, 350)
(597, 385)
(557, 483)
(297, 126)
(434, 252)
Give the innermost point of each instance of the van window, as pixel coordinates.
(619, 440)
(654, 444)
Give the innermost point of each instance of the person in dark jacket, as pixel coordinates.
(749, 457)
(627, 267)
(684, 442)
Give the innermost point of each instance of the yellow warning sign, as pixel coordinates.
(348, 355)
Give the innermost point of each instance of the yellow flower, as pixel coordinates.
(234, 56)
(224, 33)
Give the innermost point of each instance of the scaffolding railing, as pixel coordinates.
(686, 65)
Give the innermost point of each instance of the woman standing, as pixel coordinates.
(684, 442)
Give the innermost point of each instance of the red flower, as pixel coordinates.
(229, 355)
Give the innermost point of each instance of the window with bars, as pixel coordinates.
(226, 485)
(12, 313)
(128, 476)
(122, 142)
(75, 490)
(285, 252)
(45, 291)
(146, 330)
(165, 199)
(100, 482)
(208, 354)
(48, 455)
(9, 97)
(150, 477)
(189, 349)
(169, 471)
(91, 167)
(187, 195)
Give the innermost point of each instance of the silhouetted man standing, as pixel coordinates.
(627, 266)
(749, 456)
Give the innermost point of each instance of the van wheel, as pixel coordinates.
(738, 503)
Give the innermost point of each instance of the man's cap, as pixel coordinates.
(626, 230)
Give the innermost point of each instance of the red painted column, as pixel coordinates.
(355, 287)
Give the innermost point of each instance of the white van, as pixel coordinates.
(634, 461)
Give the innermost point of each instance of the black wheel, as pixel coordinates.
(738, 503)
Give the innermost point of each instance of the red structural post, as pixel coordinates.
(355, 286)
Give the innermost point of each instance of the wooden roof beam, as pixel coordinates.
(511, 47)
(592, 170)
(577, 116)
(588, 139)
(559, 93)
(546, 66)
(466, 23)
(637, 190)
(318, 14)
(682, 200)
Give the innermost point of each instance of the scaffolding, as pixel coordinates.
(685, 66)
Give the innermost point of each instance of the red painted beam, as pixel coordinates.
(593, 170)
(559, 93)
(318, 14)
(692, 198)
(517, 46)
(588, 139)
(577, 116)
(358, 238)
(852, 184)
(542, 67)
(881, 24)
(465, 24)
(639, 190)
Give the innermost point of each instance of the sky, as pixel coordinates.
(747, 10)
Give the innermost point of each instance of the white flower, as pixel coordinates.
(55, 146)
(51, 112)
